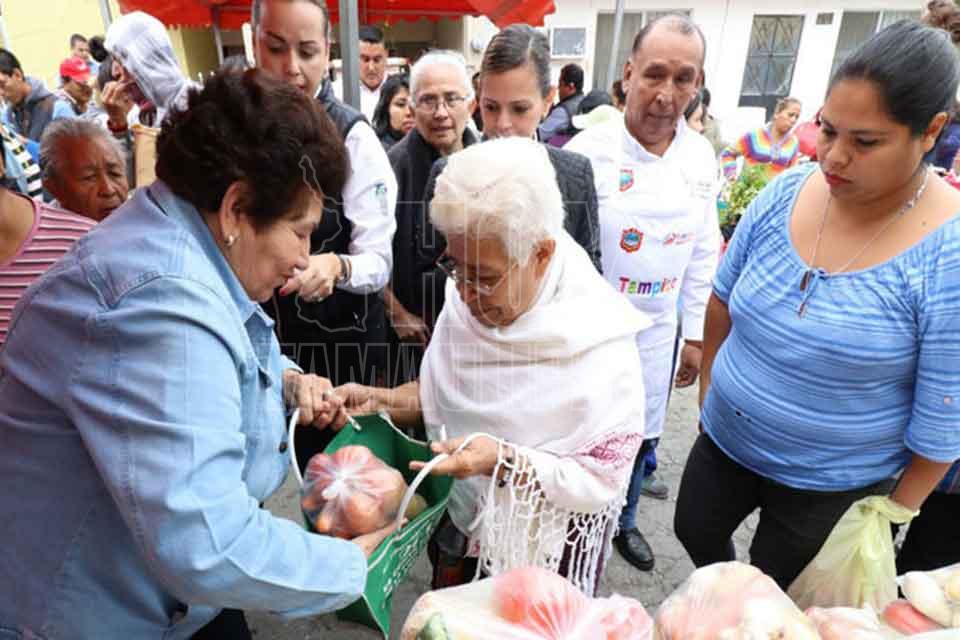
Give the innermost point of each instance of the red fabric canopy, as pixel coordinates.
(233, 13)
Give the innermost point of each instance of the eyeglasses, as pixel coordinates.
(449, 266)
(430, 103)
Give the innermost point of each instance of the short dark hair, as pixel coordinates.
(516, 46)
(254, 128)
(705, 96)
(914, 68)
(9, 63)
(381, 115)
(257, 9)
(572, 74)
(676, 22)
(75, 38)
(98, 51)
(371, 34)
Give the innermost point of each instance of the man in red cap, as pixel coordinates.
(76, 89)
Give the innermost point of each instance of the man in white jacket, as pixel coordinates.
(660, 239)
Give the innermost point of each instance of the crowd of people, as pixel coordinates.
(470, 254)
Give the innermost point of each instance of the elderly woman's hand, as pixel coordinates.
(116, 102)
(314, 396)
(478, 458)
(317, 281)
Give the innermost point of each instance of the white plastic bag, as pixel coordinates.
(936, 594)
(524, 604)
(731, 601)
(846, 623)
(856, 565)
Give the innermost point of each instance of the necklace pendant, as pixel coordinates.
(802, 310)
(805, 280)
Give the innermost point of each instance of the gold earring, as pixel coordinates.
(230, 240)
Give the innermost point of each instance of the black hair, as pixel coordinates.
(593, 100)
(257, 9)
(371, 34)
(572, 74)
(677, 22)
(105, 73)
(97, 49)
(705, 96)
(618, 92)
(75, 38)
(695, 102)
(784, 103)
(381, 115)
(255, 128)
(9, 63)
(914, 67)
(516, 46)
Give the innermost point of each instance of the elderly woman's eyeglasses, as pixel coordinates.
(449, 266)
(430, 103)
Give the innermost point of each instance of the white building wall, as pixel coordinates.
(726, 25)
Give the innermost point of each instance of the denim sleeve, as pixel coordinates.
(932, 431)
(156, 397)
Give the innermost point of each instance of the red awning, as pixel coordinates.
(233, 13)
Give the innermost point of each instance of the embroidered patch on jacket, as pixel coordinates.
(631, 240)
(626, 179)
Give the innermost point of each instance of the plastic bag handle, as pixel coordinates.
(417, 481)
(291, 447)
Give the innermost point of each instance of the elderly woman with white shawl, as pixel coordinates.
(531, 373)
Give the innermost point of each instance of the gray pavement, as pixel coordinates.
(655, 521)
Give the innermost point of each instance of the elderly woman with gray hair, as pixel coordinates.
(83, 168)
(530, 383)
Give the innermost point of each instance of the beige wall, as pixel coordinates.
(39, 35)
(39, 31)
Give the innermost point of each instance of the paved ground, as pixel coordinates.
(656, 522)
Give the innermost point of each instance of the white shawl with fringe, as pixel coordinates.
(563, 383)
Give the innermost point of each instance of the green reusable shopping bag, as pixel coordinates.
(393, 559)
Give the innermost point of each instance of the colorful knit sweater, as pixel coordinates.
(757, 147)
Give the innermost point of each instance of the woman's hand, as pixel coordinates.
(370, 541)
(410, 327)
(691, 355)
(319, 405)
(357, 399)
(116, 102)
(317, 281)
(479, 458)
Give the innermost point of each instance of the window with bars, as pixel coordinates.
(632, 23)
(857, 26)
(771, 58)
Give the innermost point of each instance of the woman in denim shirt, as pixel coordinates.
(142, 391)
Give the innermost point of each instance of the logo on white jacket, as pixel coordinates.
(631, 240)
(626, 179)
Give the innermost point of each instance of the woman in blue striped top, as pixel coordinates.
(831, 360)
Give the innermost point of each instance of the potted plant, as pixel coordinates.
(737, 195)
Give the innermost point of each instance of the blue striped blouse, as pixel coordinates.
(839, 398)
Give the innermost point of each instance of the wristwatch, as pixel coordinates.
(345, 270)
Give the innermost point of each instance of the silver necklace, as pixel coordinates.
(813, 274)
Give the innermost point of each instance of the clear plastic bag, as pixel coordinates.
(350, 493)
(524, 604)
(731, 601)
(856, 565)
(846, 623)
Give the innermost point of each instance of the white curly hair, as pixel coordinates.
(504, 189)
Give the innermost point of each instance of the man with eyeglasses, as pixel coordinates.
(442, 97)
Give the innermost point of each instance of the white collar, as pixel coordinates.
(635, 149)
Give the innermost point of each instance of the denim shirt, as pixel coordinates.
(141, 424)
